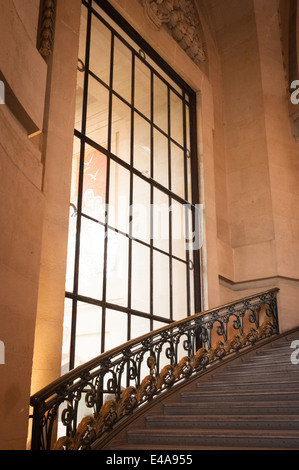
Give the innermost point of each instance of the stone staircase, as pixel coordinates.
(250, 402)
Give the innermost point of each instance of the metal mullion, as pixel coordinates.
(137, 240)
(131, 190)
(151, 204)
(126, 165)
(169, 206)
(103, 224)
(107, 195)
(109, 88)
(80, 191)
(98, 79)
(108, 9)
(195, 198)
(133, 50)
(186, 210)
(159, 250)
(137, 38)
(118, 308)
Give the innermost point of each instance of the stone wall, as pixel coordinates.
(23, 73)
(36, 136)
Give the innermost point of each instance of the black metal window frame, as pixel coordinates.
(189, 103)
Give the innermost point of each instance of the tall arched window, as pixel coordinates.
(133, 255)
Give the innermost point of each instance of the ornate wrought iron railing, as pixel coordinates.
(87, 402)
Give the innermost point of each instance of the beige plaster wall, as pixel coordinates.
(261, 157)
(21, 213)
(20, 63)
(283, 155)
(57, 155)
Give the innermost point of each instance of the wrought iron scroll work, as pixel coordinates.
(90, 400)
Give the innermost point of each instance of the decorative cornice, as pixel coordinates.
(46, 27)
(181, 19)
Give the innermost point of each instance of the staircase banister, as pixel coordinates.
(87, 377)
(93, 363)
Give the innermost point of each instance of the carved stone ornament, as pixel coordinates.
(181, 19)
(46, 27)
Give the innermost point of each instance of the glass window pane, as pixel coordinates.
(140, 287)
(91, 259)
(100, 46)
(142, 88)
(189, 178)
(70, 265)
(163, 74)
(88, 333)
(114, 25)
(121, 129)
(177, 171)
(141, 217)
(178, 230)
(80, 72)
(179, 290)
(160, 104)
(94, 184)
(119, 197)
(161, 159)
(188, 128)
(117, 269)
(75, 171)
(122, 70)
(139, 326)
(191, 283)
(142, 145)
(97, 112)
(176, 118)
(161, 287)
(161, 220)
(158, 140)
(194, 230)
(116, 327)
(79, 100)
(67, 328)
(188, 152)
(73, 217)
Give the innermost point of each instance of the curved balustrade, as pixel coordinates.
(87, 402)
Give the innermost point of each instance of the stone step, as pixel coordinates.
(214, 437)
(252, 403)
(267, 360)
(257, 422)
(275, 351)
(233, 408)
(232, 376)
(267, 365)
(246, 396)
(260, 368)
(246, 385)
(141, 448)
